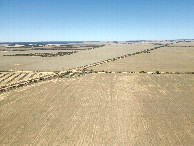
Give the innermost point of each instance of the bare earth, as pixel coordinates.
(95, 109)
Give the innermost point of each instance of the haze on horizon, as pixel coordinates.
(97, 20)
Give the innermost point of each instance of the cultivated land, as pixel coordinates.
(83, 57)
(119, 106)
(164, 59)
(97, 109)
(19, 77)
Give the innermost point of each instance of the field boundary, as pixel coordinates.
(141, 72)
(70, 74)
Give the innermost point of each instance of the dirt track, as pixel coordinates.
(96, 109)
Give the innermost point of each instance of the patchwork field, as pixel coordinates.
(31, 63)
(89, 105)
(108, 109)
(164, 59)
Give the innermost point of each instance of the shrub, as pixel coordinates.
(142, 71)
(157, 72)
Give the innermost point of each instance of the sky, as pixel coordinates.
(96, 20)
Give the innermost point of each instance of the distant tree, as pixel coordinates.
(116, 42)
(142, 71)
(157, 72)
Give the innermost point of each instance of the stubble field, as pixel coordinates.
(101, 109)
(164, 59)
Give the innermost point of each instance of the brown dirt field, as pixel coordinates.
(96, 109)
(166, 59)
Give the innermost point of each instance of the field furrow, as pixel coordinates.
(106, 109)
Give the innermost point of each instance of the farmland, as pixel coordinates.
(165, 59)
(125, 93)
(82, 57)
(100, 109)
(14, 78)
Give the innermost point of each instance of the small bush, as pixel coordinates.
(157, 72)
(142, 71)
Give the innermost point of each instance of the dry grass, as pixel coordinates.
(109, 109)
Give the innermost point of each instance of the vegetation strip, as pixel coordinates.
(45, 54)
(140, 72)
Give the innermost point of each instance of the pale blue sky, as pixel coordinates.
(96, 20)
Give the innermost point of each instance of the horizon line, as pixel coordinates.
(97, 40)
